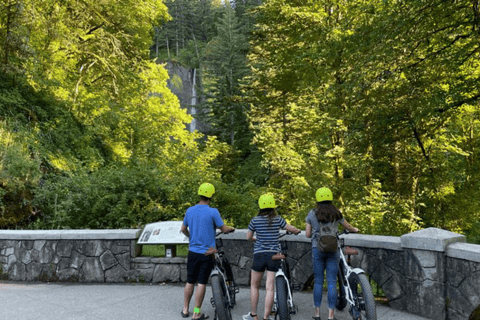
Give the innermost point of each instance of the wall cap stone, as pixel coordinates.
(371, 241)
(465, 251)
(105, 234)
(432, 239)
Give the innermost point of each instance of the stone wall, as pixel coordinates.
(431, 272)
(73, 255)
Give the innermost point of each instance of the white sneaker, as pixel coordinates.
(249, 317)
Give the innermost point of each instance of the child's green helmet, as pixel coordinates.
(266, 201)
(324, 194)
(206, 189)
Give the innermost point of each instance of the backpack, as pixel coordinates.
(327, 237)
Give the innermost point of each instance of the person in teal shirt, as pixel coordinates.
(199, 225)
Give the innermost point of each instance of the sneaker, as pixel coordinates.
(249, 317)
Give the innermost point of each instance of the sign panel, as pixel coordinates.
(166, 232)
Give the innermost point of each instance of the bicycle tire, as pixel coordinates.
(364, 299)
(282, 293)
(222, 311)
(341, 299)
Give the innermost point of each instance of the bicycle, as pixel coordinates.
(354, 288)
(283, 305)
(224, 288)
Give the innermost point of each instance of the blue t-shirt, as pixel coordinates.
(202, 220)
(267, 235)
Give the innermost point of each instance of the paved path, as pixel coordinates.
(38, 301)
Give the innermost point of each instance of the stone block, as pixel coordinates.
(33, 270)
(381, 275)
(465, 251)
(49, 273)
(370, 261)
(119, 247)
(38, 244)
(455, 278)
(17, 271)
(64, 248)
(241, 276)
(144, 275)
(92, 271)
(166, 273)
(77, 259)
(9, 251)
(27, 244)
(108, 260)
(124, 260)
(427, 259)
(64, 263)
(470, 288)
(458, 301)
(426, 299)
(23, 255)
(245, 262)
(371, 241)
(116, 274)
(68, 275)
(430, 239)
(393, 287)
(183, 273)
(413, 269)
(46, 255)
(86, 247)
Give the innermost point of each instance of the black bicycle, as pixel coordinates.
(283, 305)
(224, 288)
(354, 288)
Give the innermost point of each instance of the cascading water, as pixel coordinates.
(193, 110)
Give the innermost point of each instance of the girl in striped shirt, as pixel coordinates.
(266, 225)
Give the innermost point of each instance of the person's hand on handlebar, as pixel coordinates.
(226, 229)
(292, 229)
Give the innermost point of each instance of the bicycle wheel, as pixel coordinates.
(282, 294)
(363, 297)
(222, 310)
(341, 300)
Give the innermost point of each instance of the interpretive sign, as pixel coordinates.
(167, 232)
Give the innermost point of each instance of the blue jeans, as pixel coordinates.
(321, 261)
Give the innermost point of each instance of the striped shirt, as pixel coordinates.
(267, 235)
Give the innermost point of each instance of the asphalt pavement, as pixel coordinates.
(77, 301)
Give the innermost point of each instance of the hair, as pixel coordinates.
(205, 198)
(269, 213)
(327, 212)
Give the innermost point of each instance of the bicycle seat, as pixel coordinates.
(278, 256)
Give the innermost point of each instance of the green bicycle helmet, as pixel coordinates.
(324, 194)
(206, 189)
(266, 201)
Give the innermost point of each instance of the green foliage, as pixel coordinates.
(370, 99)
(19, 175)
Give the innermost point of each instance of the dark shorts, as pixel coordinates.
(263, 260)
(199, 267)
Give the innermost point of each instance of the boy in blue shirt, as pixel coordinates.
(199, 225)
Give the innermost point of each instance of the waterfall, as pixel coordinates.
(193, 110)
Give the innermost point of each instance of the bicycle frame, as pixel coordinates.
(281, 273)
(284, 272)
(344, 266)
(361, 304)
(226, 275)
